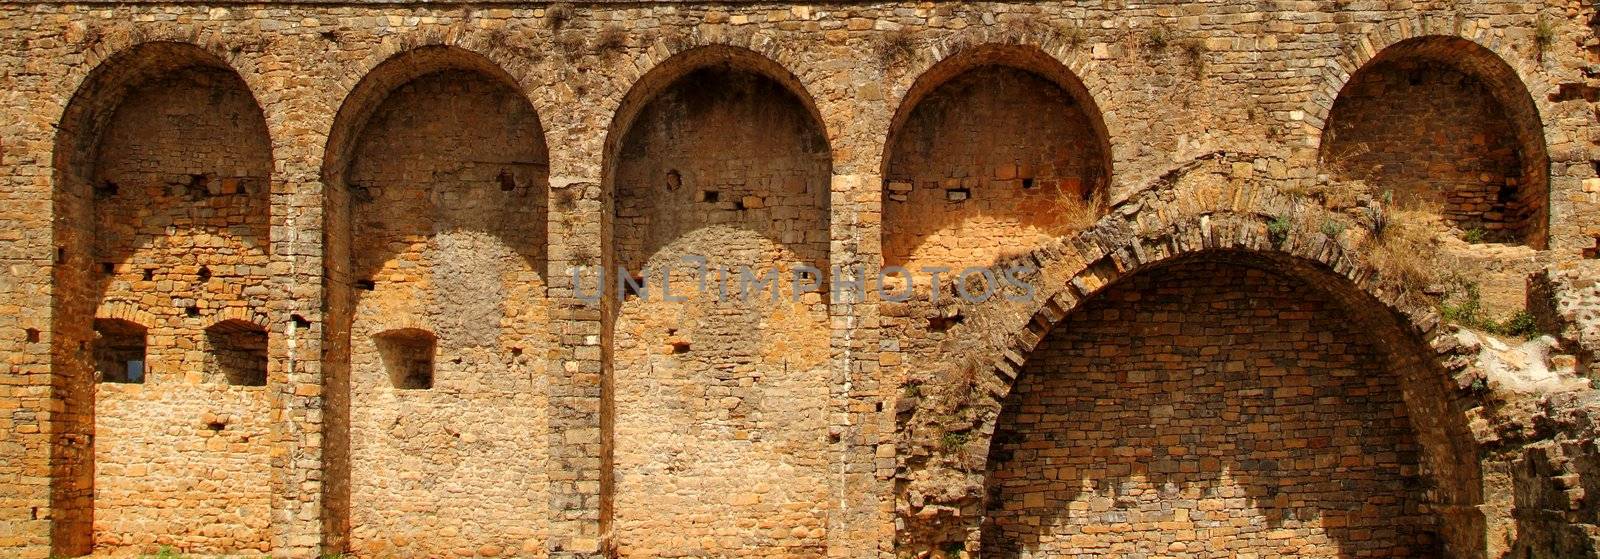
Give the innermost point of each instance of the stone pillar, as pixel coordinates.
(295, 370)
(577, 417)
(860, 423)
(29, 401)
(302, 275)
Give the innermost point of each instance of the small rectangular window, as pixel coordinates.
(119, 351)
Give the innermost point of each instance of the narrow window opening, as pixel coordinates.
(408, 355)
(119, 351)
(238, 352)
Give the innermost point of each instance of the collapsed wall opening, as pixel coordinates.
(717, 153)
(993, 151)
(162, 169)
(438, 180)
(1230, 404)
(1443, 124)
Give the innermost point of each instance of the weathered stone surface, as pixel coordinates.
(382, 189)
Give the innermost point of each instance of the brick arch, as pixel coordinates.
(960, 58)
(738, 53)
(126, 58)
(728, 117)
(1493, 56)
(240, 314)
(398, 61)
(120, 69)
(1026, 64)
(482, 205)
(213, 47)
(128, 311)
(1074, 271)
(1482, 58)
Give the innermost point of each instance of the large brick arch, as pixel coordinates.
(1177, 223)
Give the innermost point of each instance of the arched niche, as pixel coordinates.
(718, 153)
(1247, 392)
(1444, 124)
(437, 177)
(992, 151)
(163, 169)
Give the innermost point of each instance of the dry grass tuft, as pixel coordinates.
(558, 14)
(896, 48)
(613, 38)
(1404, 245)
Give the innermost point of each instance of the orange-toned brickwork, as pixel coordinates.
(349, 248)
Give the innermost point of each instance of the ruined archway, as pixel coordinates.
(718, 153)
(1223, 402)
(949, 412)
(162, 174)
(437, 174)
(1445, 123)
(993, 150)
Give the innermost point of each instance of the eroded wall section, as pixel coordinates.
(1207, 409)
(447, 193)
(720, 438)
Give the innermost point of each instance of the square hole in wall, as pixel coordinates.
(237, 352)
(408, 355)
(119, 351)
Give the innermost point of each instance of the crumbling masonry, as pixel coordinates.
(291, 278)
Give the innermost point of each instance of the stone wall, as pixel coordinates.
(1206, 409)
(619, 419)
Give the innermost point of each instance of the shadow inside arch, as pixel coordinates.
(1260, 393)
(1436, 119)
